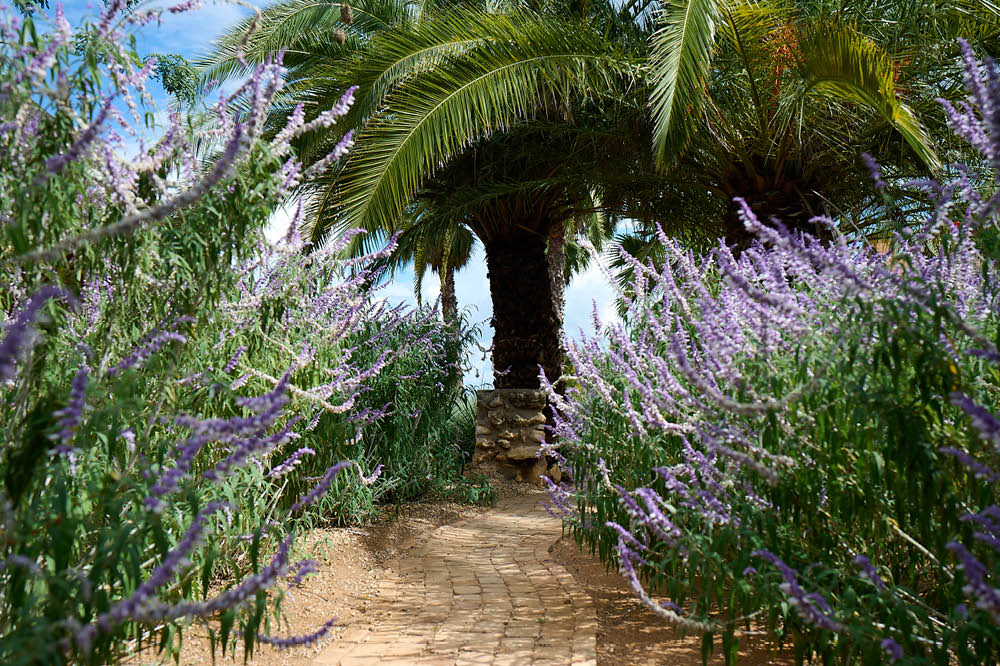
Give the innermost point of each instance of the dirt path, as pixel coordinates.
(440, 583)
(483, 590)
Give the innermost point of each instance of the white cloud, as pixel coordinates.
(277, 225)
(588, 288)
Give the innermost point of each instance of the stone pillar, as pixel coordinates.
(509, 432)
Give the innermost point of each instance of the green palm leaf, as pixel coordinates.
(681, 52)
(302, 28)
(841, 64)
(523, 60)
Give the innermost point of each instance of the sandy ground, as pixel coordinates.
(352, 560)
(350, 563)
(629, 634)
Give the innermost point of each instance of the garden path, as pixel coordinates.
(480, 591)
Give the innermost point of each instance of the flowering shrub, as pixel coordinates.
(179, 394)
(802, 440)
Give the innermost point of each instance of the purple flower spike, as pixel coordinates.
(143, 599)
(72, 414)
(372, 478)
(986, 423)
(320, 488)
(868, 569)
(20, 334)
(811, 607)
(293, 641)
(303, 569)
(977, 585)
(231, 365)
(875, 170)
(893, 649)
(290, 462)
(149, 346)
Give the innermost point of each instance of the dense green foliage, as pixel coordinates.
(819, 406)
(179, 393)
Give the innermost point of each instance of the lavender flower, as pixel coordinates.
(372, 478)
(142, 599)
(978, 469)
(149, 346)
(811, 607)
(869, 571)
(72, 414)
(149, 610)
(303, 569)
(987, 424)
(307, 639)
(290, 462)
(320, 488)
(875, 170)
(893, 649)
(231, 364)
(19, 337)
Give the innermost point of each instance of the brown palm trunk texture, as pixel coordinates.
(525, 323)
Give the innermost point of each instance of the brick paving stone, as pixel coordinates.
(480, 591)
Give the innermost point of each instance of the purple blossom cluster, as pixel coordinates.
(72, 414)
(295, 641)
(153, 343)
(185, 460)
(143, 598)
(325, 299)
(319, 489)
(19, 334)
(810, 606)
(289, 463)
(244, 437)
(716, 350)
(302, 569)
(115, 177)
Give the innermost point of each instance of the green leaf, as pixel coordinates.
(841, 63)
(515, 62)
(681, 54)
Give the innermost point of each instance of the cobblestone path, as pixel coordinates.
(480, 591)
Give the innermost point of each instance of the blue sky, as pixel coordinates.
(189, 35)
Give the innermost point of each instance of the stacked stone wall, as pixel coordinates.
(510, 429)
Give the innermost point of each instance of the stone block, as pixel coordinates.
(508, 431)
(535, 435)
(525, 398)
(522, 453)
(533, 473)
(530, 417)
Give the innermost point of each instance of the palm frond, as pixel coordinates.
(522, 60)
(296, 27)
(680, 57)
(841, 64)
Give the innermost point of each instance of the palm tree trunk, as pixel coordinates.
(556, 258)
(525, 324)
(449, 314)
(449, 302)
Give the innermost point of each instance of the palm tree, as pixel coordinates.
(536, 100)
(443, 246)
(491, 86)
(774, 102)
